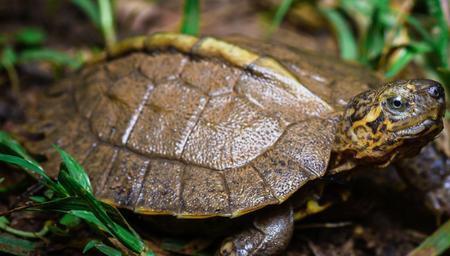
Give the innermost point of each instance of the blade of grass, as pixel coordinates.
(30, 36)
(90, 9)
(279, 15)
(33, 169)
(53, 56)
(107, 22)
(75, 170)
(191, 17)
(68, 178)
(405, 56)
(8, 59)
(105, 249)
(436, 10)
(17, 246)
(436, 244)
(345, 37)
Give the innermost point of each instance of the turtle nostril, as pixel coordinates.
(436, 91)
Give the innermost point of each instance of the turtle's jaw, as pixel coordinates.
(428, 127)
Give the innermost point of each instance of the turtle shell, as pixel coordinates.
(199, 127)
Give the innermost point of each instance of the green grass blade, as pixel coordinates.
(436, 10)
(406, 55)
(191, 17)
(34, 169)
(280, 14)
(129, 239)
(346, 40)
(17, 246)
(30, 36)
(105, 249)
(8, 57)
(436, 244)
(90, 9)
(107, 22)
(426, 36)
(53, 56)
(75, 170)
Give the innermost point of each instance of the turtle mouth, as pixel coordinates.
(425, 127)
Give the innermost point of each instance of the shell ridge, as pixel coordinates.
(137, 113)
(188, 136)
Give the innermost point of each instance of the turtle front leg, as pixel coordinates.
(269, 235)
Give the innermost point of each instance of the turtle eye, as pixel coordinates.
(397, 104)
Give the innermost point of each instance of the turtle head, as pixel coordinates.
(393, 121)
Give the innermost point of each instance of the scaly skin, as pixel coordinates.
(394, 121)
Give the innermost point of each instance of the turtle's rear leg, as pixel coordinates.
(269, 235)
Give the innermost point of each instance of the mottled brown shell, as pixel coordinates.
(172, 124)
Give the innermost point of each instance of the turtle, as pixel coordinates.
(191, 129)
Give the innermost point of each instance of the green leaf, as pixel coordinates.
(280, 14)
(90, 9)
(105, 249)
(346, 40)
(69, 220)
(191, 17)
(75, 170)
(436, 244)
(30, 36)
(53, 56)
(17, 246)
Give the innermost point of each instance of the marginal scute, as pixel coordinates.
(248, 191)
(160, 192)
(124, 180)
(204, 192)
(183, 43)
(98, 163)
(211, 47)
